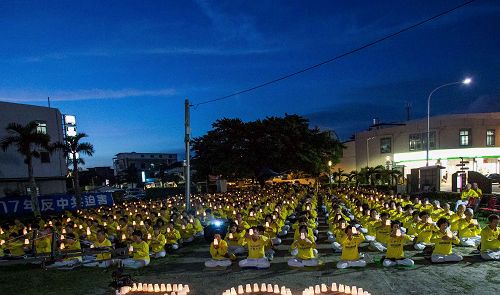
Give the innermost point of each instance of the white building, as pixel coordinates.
(50, 169)
(453, 138)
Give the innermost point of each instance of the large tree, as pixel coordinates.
(29, 142)
(235, 149)
(74, 149)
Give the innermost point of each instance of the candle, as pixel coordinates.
(174, 288)
(88, 231)
(387, 222)
(62, 237)
(354, 290)
(150, 288)
(248, 288)
(360, 291)
(341, 288)
(139, 287)
(267, 224)
(169, 288)
(240, 289)
(354, 230)
(2, 242)
(256, 287)
(347, 290)
(26, 241)
(324, 288)
(250, 232)
(317, 289)
(130, 248)
(269, 288)
(133, 222)
(263, 287)
(142, 223)
(124, 237)
(156, 288)
(62, 246)
(230, 236)
(233, 291)
(283, 290)
(149, 236)
(216, 242)
(398, 233)
(134, 287)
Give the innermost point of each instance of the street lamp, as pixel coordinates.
(465, 81)
(330, 171)
(368, 151)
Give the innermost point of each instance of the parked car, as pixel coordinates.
(494, 177)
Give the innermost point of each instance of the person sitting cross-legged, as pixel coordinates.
(490, 239)
(306, 247)
(395, 254)
(102, 260)
(350, 254)
(72, 244)
(443, 240)
(157, 243)
(220, 256)
(256, 250)
(139, 250)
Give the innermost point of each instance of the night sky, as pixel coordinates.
(124, 68)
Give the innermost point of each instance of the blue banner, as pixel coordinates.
(53, 203)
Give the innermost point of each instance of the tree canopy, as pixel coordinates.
(236, 149)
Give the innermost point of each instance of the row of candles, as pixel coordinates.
(167, 289)
(342, 289)
(264, 288)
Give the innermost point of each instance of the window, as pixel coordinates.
(465, 137)
(385, 145)
(44, 157)
(418, 141)
(490, 137)
(42, 127)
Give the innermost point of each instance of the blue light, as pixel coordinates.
(217, 223)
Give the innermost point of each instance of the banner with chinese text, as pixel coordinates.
(54, 203)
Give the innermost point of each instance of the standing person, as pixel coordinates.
(139, 250)
(443, 240)
(467, 193)
(256, 250)
(218, 251)
(350, 254)
(490, 239)
(397, 240)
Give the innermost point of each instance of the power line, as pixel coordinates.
(338, 56)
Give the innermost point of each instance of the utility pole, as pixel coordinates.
(48, 101)
(187, 139)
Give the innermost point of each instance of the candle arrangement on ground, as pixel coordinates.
(165, 289)
(258, 289)
(323, 289)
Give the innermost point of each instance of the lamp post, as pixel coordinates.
(330, 171)
(368, 151)
(466, 81)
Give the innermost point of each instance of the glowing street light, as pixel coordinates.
(465, 81)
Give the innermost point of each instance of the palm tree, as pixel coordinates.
(29, 142)
(73, 149)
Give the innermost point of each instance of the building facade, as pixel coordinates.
(140, 162)
(454, 139)
(50, 170)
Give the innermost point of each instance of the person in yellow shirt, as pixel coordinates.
(220, 255)
(43, 242)
(490, 239)
(425, 231)
(70, 243)
(173, 236)
(307, 253)
(15, 245)
(157, 243)
(397, 240)
(467, 193)
(443, 240)
(233, 238)
(256, 244)
(350, 255)
(139, 250)
(469, 230)
(382, 233)
(102, 260)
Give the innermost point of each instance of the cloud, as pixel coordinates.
(230, 26)
(80, 94)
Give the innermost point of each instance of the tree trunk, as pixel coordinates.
(32, 186)
(77, 182)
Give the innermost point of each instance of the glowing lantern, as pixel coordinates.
(26, 241)
(62, 246)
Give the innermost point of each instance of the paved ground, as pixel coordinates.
(472, 276)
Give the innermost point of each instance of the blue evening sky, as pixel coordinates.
(124, 68)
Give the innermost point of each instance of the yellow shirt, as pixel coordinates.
(256, 249)
(306, 250)
(73, 247)
(442, 246)
(104, 244)
(395, 246)
(489, 239)
(158, 243)
(383, 233)
(426, 232)
(464, 231)
(220, 252)
(173, 236)
(15, 248)
(350, 247)
(141, 251)
(468, 194)
(43, 245)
